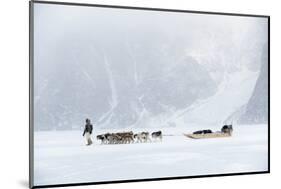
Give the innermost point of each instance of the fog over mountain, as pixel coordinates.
(256, 110)
(132, 68)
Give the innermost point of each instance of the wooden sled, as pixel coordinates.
(209, 135)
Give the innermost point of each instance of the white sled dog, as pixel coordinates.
(142, 137)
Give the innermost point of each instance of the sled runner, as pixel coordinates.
(209, 135)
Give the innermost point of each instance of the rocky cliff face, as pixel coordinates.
(257, 108)
(126, 87)
(129, 68)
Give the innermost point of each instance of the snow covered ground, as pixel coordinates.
(61, 156)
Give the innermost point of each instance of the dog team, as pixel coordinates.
(128, 137)
(120, 137)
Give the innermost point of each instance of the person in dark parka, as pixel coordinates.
(88, 132)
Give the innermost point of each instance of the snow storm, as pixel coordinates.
(157, 88)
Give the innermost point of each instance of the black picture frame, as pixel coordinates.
(31, 92)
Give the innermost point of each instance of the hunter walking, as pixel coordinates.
(88, 132)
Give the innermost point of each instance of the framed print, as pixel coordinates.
(126, 94)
